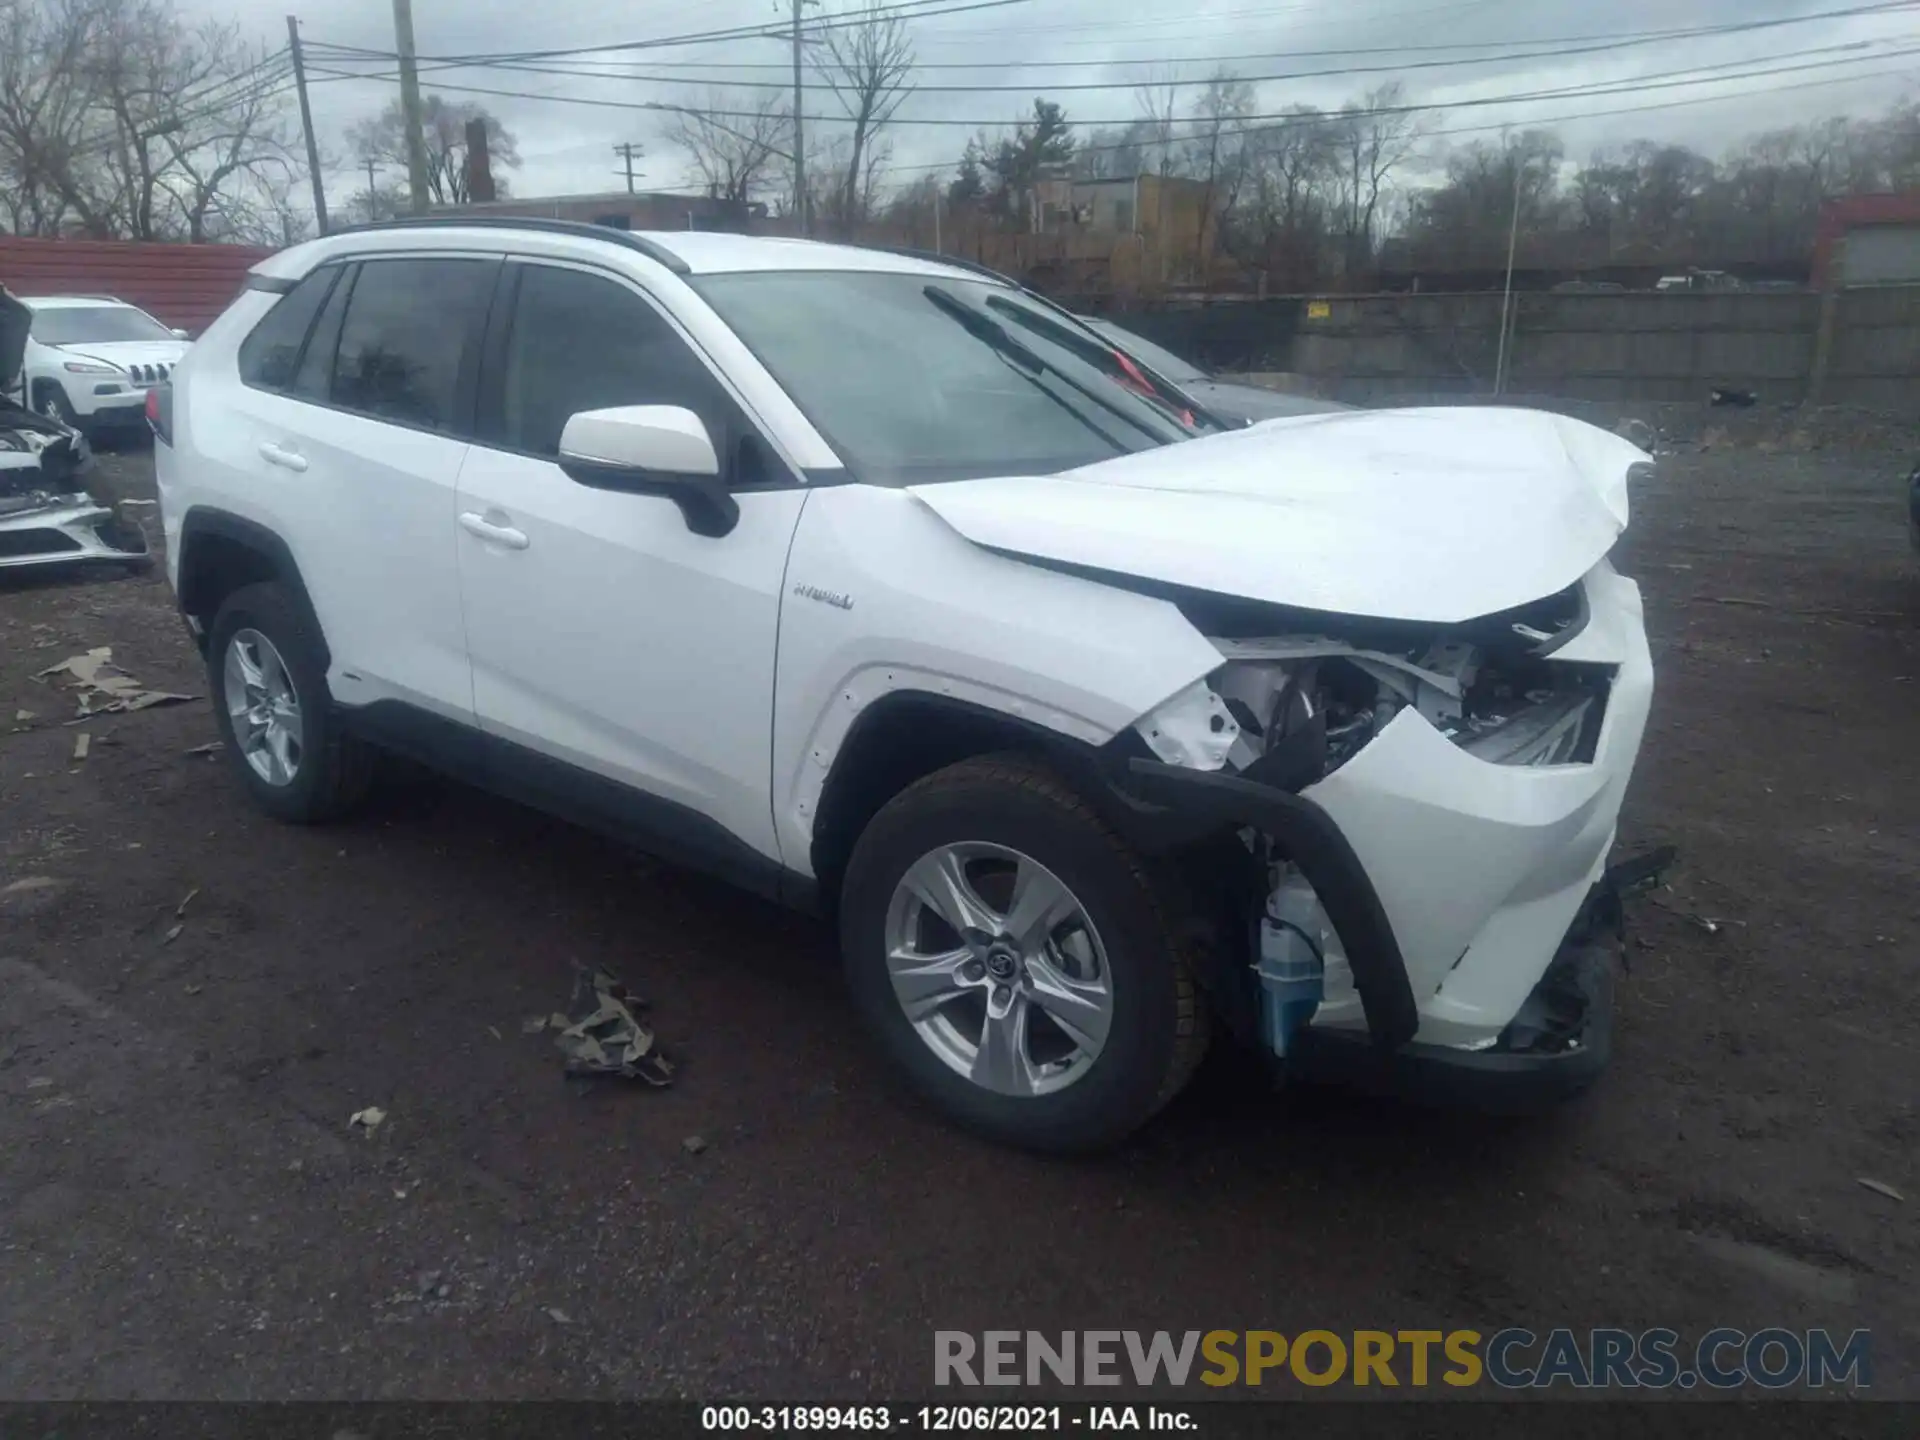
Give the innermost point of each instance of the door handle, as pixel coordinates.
(505, 535)
(286, 459)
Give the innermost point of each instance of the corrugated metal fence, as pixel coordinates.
(181, 285)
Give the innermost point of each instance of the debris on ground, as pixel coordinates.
(212, 747)
(173, 934)
(181, 909)
(1637, 432)
(558, 1316)
(369, 1119)
(81, 743)
(693, 1144)
(21, 717)
(600, 1034)
(99, 679)
(1880, 1187)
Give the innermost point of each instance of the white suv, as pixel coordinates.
(91, 359)
(885, 589)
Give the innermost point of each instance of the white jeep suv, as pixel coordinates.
(90, 359)
(885, 589)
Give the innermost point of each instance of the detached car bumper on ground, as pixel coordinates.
(46, 516)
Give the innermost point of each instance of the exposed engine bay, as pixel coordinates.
(1290, 709)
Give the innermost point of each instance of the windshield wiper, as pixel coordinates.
(1038, 369)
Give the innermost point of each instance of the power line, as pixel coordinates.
(1660, 80)
(1162, 84)
(903, 10)
(1617, 38)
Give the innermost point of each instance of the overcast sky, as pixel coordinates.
(568, 148)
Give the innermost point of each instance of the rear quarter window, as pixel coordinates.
(270, 355)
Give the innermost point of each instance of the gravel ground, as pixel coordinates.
(188, 1214)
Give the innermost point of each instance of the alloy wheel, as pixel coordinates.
(999, 969)
(265, 708)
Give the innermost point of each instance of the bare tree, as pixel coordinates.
(866, 64)
(1158, 101)
(1377, 137)
(1218, 149)
(443, 124)
(733, 159)
(118, 120)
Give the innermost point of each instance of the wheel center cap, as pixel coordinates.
(1002, 963)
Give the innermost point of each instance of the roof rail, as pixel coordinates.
(958, 262)
(580, 229)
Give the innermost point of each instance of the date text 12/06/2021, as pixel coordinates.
(949, 1419)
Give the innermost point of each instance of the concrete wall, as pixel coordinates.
(1654, 347)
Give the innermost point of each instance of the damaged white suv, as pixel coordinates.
(887, 589)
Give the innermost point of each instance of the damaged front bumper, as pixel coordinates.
(1456, 888)
(67, 530)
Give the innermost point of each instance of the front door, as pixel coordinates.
(602, 632)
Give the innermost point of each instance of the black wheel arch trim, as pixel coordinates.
(1164, 807)
(210, 521)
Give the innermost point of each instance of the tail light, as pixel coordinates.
(160, 412)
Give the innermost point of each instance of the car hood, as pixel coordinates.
(14, 320)
(1436, 515)
(123, 353)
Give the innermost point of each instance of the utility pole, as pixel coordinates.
(625, 149)
(372, 186)
(799, 130)
(306, 124)
(1506, 298)
(410, 104)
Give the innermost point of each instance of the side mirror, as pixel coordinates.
(651, 450)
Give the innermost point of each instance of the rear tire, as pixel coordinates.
(1082, 1084)
(325, 773)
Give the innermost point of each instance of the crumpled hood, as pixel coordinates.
(1436, 515)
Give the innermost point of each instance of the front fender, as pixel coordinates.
(882, 596)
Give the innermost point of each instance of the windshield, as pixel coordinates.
(1181, 372)
(95, 325)
(915, 378)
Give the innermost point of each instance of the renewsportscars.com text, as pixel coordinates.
(1510, 1359)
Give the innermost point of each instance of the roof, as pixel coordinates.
(684, 251)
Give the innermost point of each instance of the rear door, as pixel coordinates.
(358, 427)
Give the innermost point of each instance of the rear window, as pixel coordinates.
(409, 327)
(270, 355)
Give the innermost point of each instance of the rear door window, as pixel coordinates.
(407, 342)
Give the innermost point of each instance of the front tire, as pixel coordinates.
(271, 702)
(53, 403)
(1017, 959)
